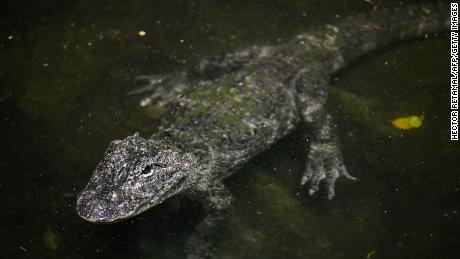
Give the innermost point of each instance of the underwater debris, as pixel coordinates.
(409, 122)
(374, 5)
(51, 240)
(370, 26)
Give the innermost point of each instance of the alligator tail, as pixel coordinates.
(361, 34)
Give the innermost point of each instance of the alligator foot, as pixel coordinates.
(159, 89)
(324, 163)
(217, 201)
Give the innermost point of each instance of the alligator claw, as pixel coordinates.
(159, 89)
(324, 164)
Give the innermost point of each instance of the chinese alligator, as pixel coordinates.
(251, 99)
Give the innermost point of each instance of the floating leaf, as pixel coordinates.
(50, 239)
(407, 123)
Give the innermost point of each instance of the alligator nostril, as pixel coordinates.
(94, 210)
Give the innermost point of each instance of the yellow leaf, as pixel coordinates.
(409, 122)
(51, 240)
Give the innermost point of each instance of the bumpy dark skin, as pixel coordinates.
(254, 97)
(130, 180)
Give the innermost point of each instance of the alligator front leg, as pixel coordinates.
(161, 89)
(324, 161)
(214, 66)
(217, 202)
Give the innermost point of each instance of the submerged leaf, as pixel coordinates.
(51, 240)
(407, 123)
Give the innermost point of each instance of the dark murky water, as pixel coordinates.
(65, 68)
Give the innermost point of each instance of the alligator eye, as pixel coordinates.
(158, 165)
(147, 170)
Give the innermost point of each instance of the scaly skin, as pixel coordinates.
(216, 125)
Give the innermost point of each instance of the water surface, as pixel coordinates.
(65, 68)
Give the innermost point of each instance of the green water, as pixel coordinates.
(65, 68)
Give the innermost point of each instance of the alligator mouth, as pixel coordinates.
(99, 210)
(95, 207)
(96, 211)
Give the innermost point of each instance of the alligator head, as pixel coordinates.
(135, 174)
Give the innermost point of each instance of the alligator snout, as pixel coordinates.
(93, 210)
(96, 210)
